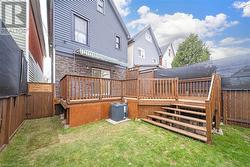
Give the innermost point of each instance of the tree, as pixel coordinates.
(191, 51)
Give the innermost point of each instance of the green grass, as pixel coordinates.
(44, 142)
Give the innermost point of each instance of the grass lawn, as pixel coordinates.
(44, 142)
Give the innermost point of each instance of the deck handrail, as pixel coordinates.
(213, 106)
(74, 87)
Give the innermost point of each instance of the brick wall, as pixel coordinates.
(83, 66)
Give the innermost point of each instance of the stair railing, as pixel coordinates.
(212, 105)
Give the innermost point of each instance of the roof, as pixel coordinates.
(119, 18)
(234, 71)
(142, 32)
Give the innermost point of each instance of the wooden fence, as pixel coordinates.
(14, 110)
(236, 107)
(12, 115)
(40, 100)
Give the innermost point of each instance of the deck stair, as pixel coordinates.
(184, 118)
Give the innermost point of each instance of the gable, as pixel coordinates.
(119, 18)
(145, 34)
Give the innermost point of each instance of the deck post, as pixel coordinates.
(68, 87)
(218, 111)
(208, 122)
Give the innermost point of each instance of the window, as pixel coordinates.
(148, 37)
(101, 6)
(117, 42)
(141, 53)
(81, 30)
(100, 73)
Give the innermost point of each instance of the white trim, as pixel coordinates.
(27, 37)
(143, 55)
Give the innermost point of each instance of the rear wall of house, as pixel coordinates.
(102, 29)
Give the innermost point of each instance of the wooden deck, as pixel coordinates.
(167, 102)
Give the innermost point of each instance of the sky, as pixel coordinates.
(223, 25)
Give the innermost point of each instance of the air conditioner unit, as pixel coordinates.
(118, 111)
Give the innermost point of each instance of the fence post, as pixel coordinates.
(208, 122)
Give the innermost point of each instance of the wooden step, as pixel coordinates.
(181, 116)
(178, 123)
(190, 134)
(189, 106)
(185, 111)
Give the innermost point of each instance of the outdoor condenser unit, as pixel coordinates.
(118, 111)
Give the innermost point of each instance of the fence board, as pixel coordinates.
(40, 102)
(236, 108)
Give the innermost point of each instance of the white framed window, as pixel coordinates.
(148, 37)
(100, 73)
(141, 53)
(80, 30)
(117, 42)
(101, 6)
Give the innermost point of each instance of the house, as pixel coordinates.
(169, 53)
(143, 49)
(28, 33)
(90, 39)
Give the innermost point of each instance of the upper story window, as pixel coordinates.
(117, 42)
(141, 53)
(148, 37)
(81, 30)
(101, 6)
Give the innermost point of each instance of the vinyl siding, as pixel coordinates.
(150, 51)
(20, 36)
(102, 29)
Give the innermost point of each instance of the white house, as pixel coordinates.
(143, 49)
(169, 53)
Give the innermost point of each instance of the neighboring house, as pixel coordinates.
(169, 53)
(27, 31)
(90, 39)
(143, 49)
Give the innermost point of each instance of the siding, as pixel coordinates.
(20, 35)
(35, 72)
(150, 51)
(101, 32)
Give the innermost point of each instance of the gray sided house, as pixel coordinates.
(90, 39)
(143, 49)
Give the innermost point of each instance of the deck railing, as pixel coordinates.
(194, 87)
(153, 88)
(88, 88)
(213, 105)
